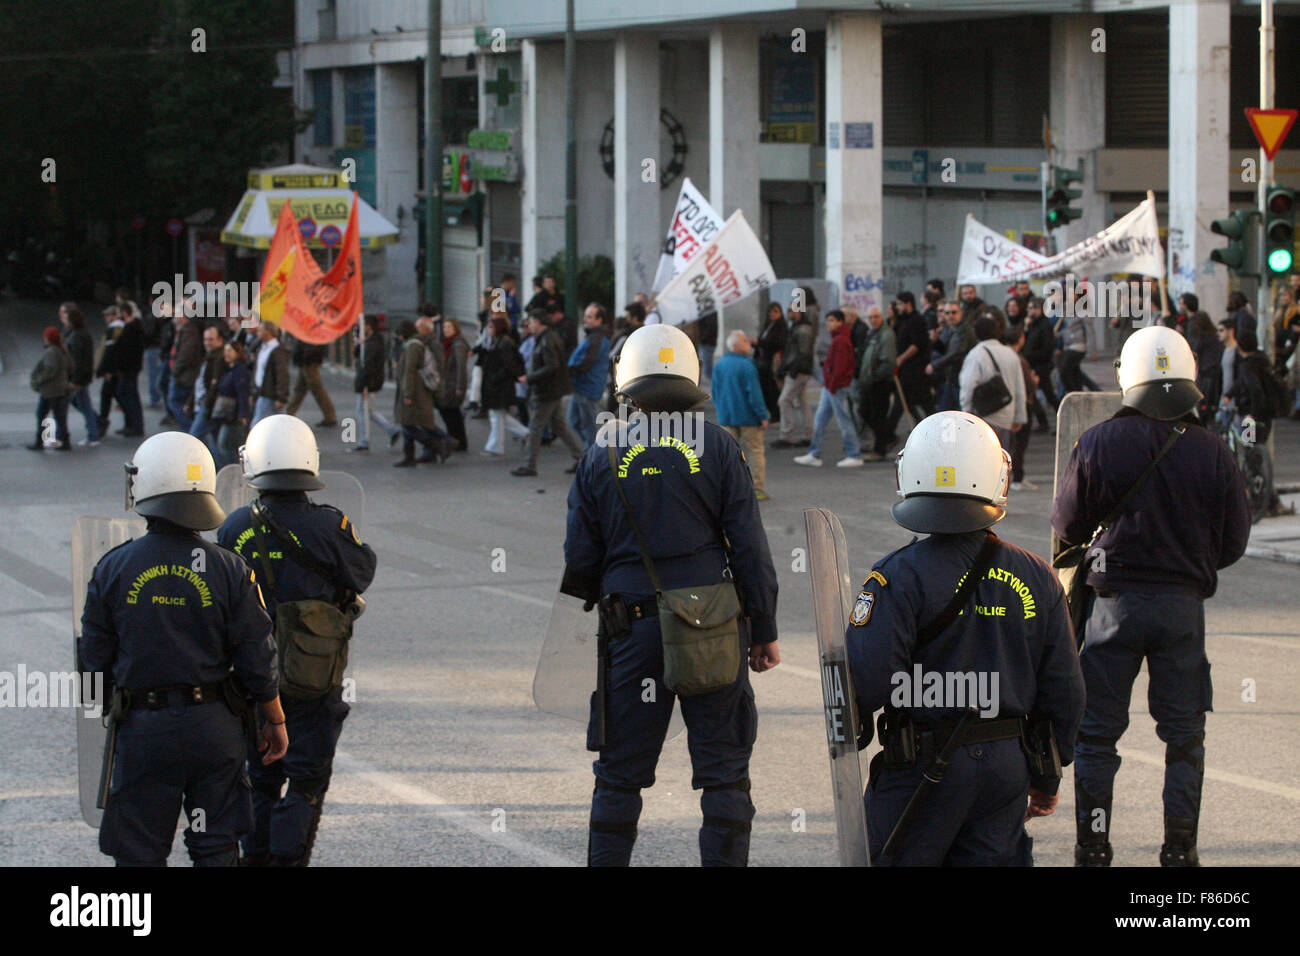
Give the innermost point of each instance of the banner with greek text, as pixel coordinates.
(1130, 244)
(693, 226)
(732, 267)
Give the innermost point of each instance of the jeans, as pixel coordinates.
(205, 429)
(176, 397)
(365, 415)
(154, 365)
(226, 450)
(83, 403)
(948, 398)
(501, 420)
(264, 407)
(837, 404)
(128, 396)
(56, 408)
(582, 417)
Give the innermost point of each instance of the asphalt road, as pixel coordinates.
(444, 760)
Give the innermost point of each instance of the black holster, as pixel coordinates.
(242, 708)
(897, 735)
(1039, 744)
(614, 621)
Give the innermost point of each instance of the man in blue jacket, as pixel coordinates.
(588, 370)
(742, 413)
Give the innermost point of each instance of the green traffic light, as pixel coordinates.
(1279, 260)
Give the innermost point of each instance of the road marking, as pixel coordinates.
(1289, 645)
(32, 576)
(1223, 776)
(506, 592)
(472, 822)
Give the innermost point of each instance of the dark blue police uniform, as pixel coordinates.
(1160, 562)
(284, 826)
(1014, 626)
(165, 614)
(680, 499)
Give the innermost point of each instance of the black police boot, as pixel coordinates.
(1095, 853)
(1180, 842)
(257, 859)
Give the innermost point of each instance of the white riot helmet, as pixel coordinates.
(172, 476)
(280, 454)
(658, 370)
(1157, 373)
(953, 476)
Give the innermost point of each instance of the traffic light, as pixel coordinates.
(1236, 254)
(1059, 196)
(1279, 230)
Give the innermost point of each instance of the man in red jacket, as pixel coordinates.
(837, 380)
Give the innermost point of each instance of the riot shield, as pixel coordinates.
(1077, 412)
(832, 586)
(568, 669)
(341, 490)
(92, 538)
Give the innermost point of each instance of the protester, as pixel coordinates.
(589, 367)
(1039, 350)
(51, 380)
(1014, 338)
(952, 344)
(1240, 312)
(708, 342)
(204, 396)
(232, 408)
(1071, 326)
(307, 359)
(793, 374)
(128, 359)
(742, 413)
(548, 382)
(987, 360)
(104, 364)
(876, 387)
(768, 355)
(270, 374)
(185, 361)
(152, 323)
(454, 384)
(511, 299)
(370, 360)
(413, 406)
(502, 366)
(1209, 369)
(912, 342)
(837, 381)
(633, 318)
(81, 350)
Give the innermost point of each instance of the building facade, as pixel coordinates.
(855, 140)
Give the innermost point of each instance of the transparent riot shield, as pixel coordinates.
(92, 538)
(567, 670)
(341, 490)
(832, 586)
(1077, 412)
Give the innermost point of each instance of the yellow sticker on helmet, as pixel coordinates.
(666, 355)
(193, 472)
(1162, 363)
(945, 475)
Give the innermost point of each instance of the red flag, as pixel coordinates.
(319, 308)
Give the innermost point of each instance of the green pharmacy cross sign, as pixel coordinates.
(502, 87)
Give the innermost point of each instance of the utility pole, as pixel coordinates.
(433, 158)
(1263, 301)
(570, 167)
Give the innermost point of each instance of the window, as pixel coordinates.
(322, 101)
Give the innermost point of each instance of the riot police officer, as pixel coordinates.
(628, 491)
(307, 554)
(172, 619)
(1156, 564)
(950, 625)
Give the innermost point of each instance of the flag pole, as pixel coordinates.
(1164, 274)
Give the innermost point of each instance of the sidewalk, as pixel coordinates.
(1277, 539)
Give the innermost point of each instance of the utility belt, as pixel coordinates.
(160, 698)
(908, 742)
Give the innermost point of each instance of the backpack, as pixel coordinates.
(1265, 394)
(429, 373)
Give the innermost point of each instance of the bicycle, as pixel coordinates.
(1252, 461)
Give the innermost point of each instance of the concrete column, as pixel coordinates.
(638, 231)
(541, 188)
(1077, 117)
(854, 206)
(1198, 148)
(396, 155)
(733, 145)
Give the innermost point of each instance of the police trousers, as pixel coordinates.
(721, 729)
(974, 817)
(285, 821)
(1167, 630)
(183, 757)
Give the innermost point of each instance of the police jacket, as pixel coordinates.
(1188, 521)
(323, 531)
(1015, 626)
(157, 616)
(682, 498)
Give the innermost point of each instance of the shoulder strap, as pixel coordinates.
(262, 556)
(291, 548)
(1132, 493)
(983, 561)
(640, 542)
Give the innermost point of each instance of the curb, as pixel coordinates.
(1274, 554)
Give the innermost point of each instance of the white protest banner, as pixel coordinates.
(1130, 244)
(693, 226)
(732, 267)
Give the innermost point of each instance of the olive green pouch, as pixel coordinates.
(312, 637)
(700, 626)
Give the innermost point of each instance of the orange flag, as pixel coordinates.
(312, 306)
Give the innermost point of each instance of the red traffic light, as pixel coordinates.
(1280, 203)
